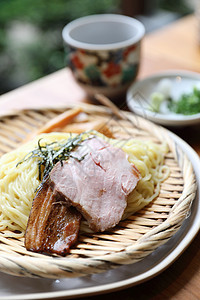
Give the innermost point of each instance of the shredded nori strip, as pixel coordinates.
(49, 154)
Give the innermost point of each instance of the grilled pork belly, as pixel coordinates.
(53, 227)
(97, 185)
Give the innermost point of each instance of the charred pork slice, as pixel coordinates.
(53, 227)
(97, 185)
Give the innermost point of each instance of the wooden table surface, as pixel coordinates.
(172, 47)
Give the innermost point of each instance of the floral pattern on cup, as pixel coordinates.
(105, 68)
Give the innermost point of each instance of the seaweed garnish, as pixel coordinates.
(49, 154)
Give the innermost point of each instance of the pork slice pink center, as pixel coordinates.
(97, 185)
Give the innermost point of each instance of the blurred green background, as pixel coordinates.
(30, 31)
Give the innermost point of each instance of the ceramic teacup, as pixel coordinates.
(104, 52)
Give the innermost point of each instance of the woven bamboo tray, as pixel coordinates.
(132, 239)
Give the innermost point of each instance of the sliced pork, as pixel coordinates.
(53, 227)
(98, 184)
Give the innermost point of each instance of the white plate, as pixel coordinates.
(138, 97)
(17, 288)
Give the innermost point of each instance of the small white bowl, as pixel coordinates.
(138, 97)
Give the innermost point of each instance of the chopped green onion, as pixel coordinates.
(187, 104)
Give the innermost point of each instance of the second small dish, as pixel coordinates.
(181, 82)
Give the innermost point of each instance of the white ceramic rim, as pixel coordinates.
(184, 242)
(103, 17)
(164, 119)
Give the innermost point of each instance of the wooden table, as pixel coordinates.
(173, 47)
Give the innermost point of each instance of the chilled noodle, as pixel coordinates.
(18, 184)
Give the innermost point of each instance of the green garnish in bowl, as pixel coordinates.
(156, 99)
(187, 104)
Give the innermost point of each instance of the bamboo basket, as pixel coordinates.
(132, 239)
